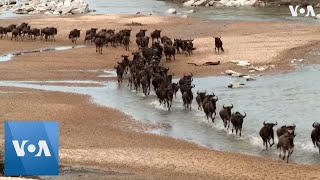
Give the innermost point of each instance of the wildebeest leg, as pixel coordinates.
(272, 142)
(284, 154)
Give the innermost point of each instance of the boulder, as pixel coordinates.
(317, 16)
(172, 11)
(185, 16)
(189, 3)
(21, 11)
(235, 85)
(9, 2)
(240, 62)
(199, 3)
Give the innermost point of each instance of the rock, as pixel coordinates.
(137, 12)
(189, 3)
(260, 4)
(235, 85)
(21, 11)
(211, 3)
(9, 2)
(56, 13)
(47, 13)
(250, 78)
(199, 3)
(240, 62)
(234, 73)
(172, 11)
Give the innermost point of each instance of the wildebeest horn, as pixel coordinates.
(264, 123)
(276, 123)
(231, 106)
(314, 124)
(244, 115)
(198, 92)
(223, 106)
(294, 125)
(217, 98)
(205, 91)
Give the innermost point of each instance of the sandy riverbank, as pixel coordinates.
(258, 42)
(106, 138)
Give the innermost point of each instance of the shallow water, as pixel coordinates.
(286, 98)
(8, 57)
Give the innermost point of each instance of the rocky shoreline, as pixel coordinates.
(48, 7)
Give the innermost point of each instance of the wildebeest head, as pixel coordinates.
(315, 125)
(271, 125)
(228, 108)
(202, 94)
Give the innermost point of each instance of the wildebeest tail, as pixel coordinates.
(69, 36)
(193, 48)
(222, 49)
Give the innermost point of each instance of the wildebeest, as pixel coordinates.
(89, 37)
(74, 35)
(267, 133)
(218, 45)
(16, 33)
(120, 71)
(286, 145)
(35, 32)
(187, 97)
(315, 135)
(166, 40)
(126, 42)
(199, 98)
(209, 106)
(141, 33)
(48, 33)
(237, 121)
(225, 114)
(91, 31)
(285, 129)
(9, 29)
(99, 42)
(156, 34)
(169, 51)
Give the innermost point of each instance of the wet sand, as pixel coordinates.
(104, 138)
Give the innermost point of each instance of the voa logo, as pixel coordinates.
(42, 147)
(303, 11)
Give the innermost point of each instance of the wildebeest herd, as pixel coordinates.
(24, 31)
(145, 69)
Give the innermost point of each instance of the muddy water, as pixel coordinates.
(8, 57)
(286, 98)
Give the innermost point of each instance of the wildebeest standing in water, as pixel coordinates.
(120, 71)
(99, 42)
(187, 97)
(286, 145)
(218, 45)
(74, 35)
(199, 98)
(225, 114)
(267, 133)
(315, 135)
(237, 121)
(285, 129)
(209, 106)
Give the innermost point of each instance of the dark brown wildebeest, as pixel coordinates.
(286, 145)
(99, 42)
(9, 28)
(126, 42)
(187, 97)
(237, 121)
(141, 33)
(156, 34)
(267, 133)
(2, 31)
(89, 37)
(26, 30)
(16, 33)
(120, 71)
(218, 45)
(48, 33)
(315, 135)
(199, 98)
(209, 106)
(35, 32)
(225, 114)
(166, 40)
(178, 45)
(188, 47)
(285, 129)
(91, 31)
(74, 35)
(169, 51)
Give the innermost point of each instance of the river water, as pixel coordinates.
(286, 98)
